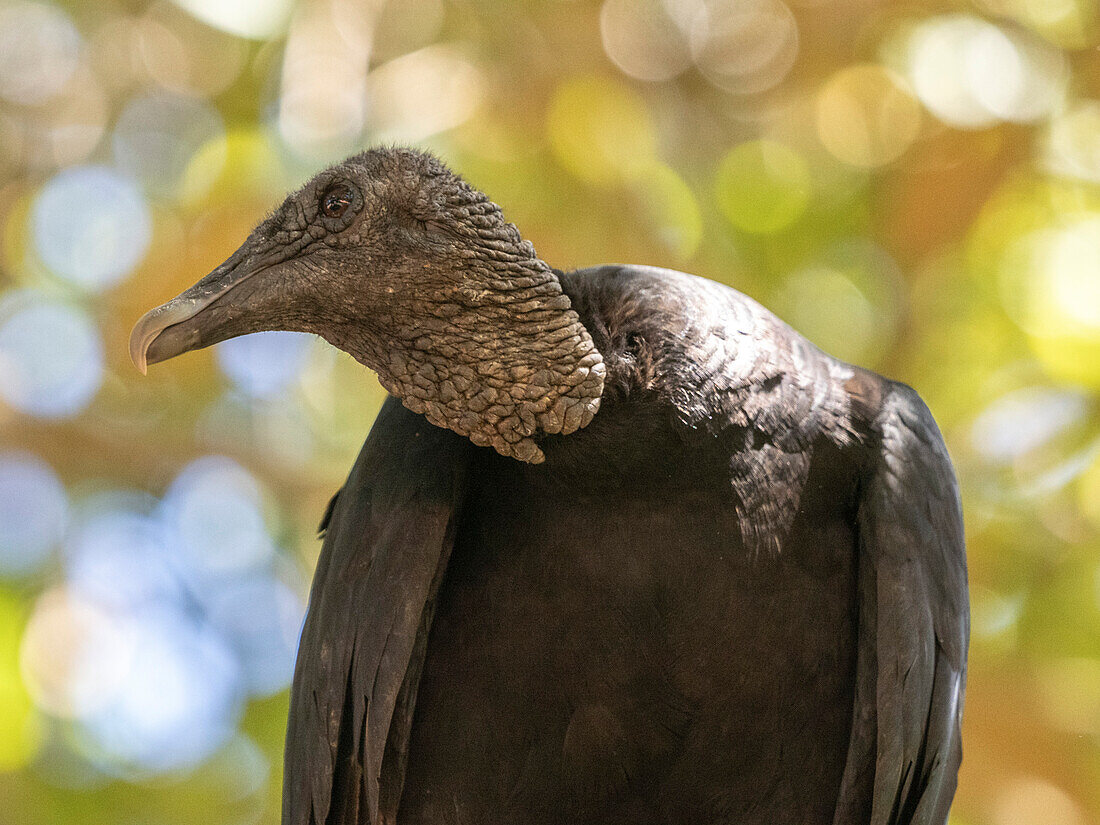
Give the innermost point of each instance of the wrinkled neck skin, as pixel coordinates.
(494, 352)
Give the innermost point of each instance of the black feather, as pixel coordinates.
(737, 595)
(389, 535)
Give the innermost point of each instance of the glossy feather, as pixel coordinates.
(737, 596)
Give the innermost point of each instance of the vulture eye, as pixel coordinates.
(335, 201)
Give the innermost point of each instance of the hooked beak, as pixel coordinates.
(198, 317)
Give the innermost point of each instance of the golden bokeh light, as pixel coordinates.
(20, 735)
(1071, 24)
(1051, 283)
(259, 19)
(421, 94)
(746, 47)
(670, 208)
(972, 73)
(600, 130)
(1073, 142)
(763, 186)
(866, 116)
(1029, 800)
(647, 38)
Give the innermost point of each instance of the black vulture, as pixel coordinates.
(621, 547)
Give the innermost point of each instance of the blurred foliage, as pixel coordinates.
(914, 185)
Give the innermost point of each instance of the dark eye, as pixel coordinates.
(335, 201)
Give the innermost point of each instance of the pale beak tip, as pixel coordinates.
(139, 345)
(170, 329)
(138, 357)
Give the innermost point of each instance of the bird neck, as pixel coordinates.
(496, 354)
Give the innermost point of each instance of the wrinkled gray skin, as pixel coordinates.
(449, 305)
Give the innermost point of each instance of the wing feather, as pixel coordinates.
(388, 537)
(914, 626)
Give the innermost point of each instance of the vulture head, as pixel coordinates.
(396, 260)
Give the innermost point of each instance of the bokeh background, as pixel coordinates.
(913, 185)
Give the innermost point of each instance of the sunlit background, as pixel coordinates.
(913, 185)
